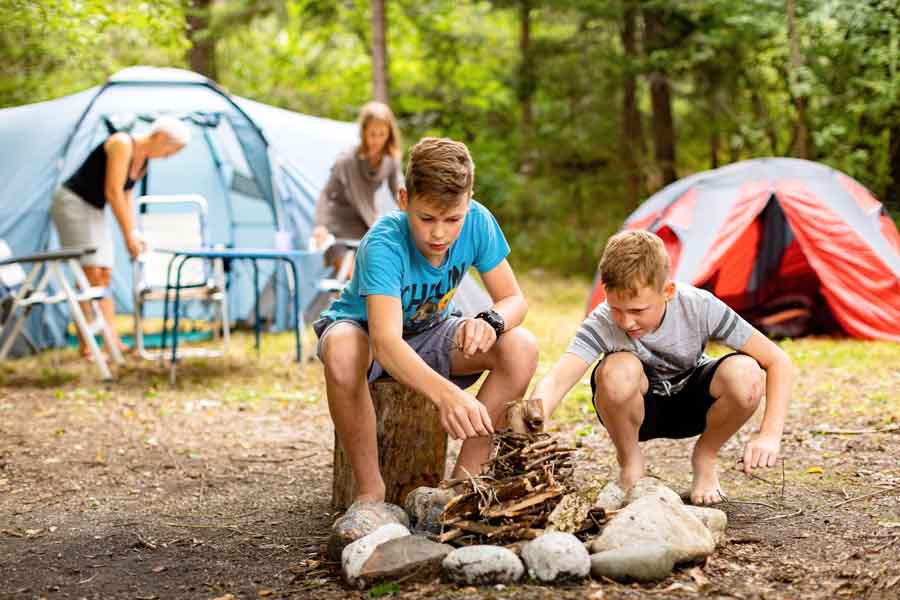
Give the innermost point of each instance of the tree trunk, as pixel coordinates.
(892, 192)
(661, 102)
(526, 83)
(412, 445)
(202, 53)
(802, 147)
(380, 81)
(633, 147)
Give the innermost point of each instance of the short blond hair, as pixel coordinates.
(633, 260)
(173, 128)
(441, 170)
(379, 110)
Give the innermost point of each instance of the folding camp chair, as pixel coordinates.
(177, 221)
(33, 290)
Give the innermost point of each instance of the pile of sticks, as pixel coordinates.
(512, 500)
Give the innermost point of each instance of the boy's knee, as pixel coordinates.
(345, 354)
(742, 379)
(518, 347)
(619, 377)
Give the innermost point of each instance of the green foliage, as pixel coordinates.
(384, 589)
(459, 69)
(55, 47)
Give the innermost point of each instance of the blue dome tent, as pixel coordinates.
(259, 167)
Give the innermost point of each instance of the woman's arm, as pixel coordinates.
(118, 156)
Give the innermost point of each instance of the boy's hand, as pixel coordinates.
(761, 451)
(475, 335)
(463, 417)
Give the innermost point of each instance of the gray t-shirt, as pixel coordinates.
(675, 349)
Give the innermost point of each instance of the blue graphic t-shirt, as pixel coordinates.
(389, 263)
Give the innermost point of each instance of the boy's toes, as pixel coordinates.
(707, 498)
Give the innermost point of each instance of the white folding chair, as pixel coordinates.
(32, 289)
(177, 221)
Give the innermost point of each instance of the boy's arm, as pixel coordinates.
(553, 386)
(762, 449)
(461, 414)
(476, 335)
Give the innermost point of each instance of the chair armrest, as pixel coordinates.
(61, 254)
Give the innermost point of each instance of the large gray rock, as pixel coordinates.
(355, 554)
(641, 562)
(654, 520)
(715, 520)
(556, 555)
(424, 506)
(483, 565)
(650, 486)
(611, 497)
(410, 558)
(361, 519)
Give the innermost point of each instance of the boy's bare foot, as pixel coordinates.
(372, 494)
(630, 472)
(705, 487)
(369, 498)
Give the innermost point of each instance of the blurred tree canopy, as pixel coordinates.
(554, 97)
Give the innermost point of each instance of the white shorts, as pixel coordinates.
(80, 224)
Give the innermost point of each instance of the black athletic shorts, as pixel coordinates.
(681, 415)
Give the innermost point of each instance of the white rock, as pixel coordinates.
(715, 520)
(611, 497)
(556, 555)
(355, 554)
(483, 565)
(641, 562)
(654, 520)
(650, 486)
(361, 519)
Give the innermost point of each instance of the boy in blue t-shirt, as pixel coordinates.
(396, 317)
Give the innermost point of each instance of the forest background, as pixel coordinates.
(575, 110)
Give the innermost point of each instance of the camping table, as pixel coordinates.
(53, 263)
(254, 255)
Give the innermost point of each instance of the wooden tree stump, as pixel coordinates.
(412, 445)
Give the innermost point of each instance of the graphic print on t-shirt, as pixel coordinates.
(428, 303)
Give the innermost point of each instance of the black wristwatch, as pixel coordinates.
(494, 319)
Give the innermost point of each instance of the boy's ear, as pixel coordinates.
(401, 198)
(669, 289)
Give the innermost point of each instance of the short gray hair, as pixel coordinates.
(173, 128)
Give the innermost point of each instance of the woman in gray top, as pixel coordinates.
(346, 207)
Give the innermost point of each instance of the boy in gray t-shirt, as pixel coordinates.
(656, 382)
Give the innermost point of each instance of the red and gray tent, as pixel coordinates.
(782, 236)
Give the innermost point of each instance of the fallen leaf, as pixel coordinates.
(263, 592)
(30, 532)
(225, 597)
(889, 524)
(158, 569)
(815, 470)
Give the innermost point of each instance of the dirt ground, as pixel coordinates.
(220, 488)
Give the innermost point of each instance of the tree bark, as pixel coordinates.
(802, 147)
(892, 192)
(661, 102)
(412, 445)
(202, 53)
(380, 80)
(633, 146)
(526, 74)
